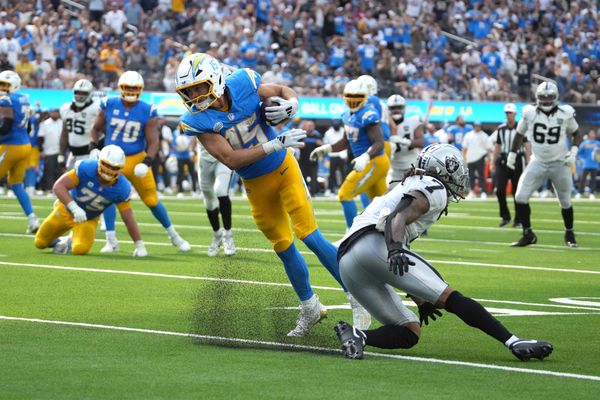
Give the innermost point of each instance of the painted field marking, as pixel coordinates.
(279, 345)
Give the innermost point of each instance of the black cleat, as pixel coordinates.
(504, 222)
(525, 350)
(517, 224)
(526, 240)
(570, 239)
(352, 340)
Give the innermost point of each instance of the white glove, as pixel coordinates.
(285, 109)
(79, 214)
(94, 154)
(360, 162)
(405, 142)
(140, 170)
(571, 157)
(511, 160)
(320, 152)
(291, 138)
(60, 159)
(140, 249)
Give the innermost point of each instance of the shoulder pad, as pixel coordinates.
(567, 109)
(528, 111)
(5, 100)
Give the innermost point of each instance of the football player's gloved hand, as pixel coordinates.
(285, 109)
(405, 142)
(571, 157)
(291, 138)
(360, 162)
(140, 170)
(61, 161)
(94, 154)
(140, 249)
(79, 214)
(511, 160)
(320, 152)
(426, 311)
(398, 260)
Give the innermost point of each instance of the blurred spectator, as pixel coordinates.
(134, 13)
(589, 154)
(308, 167)
(110, 62)
(476, 149)
(337, 160)
(49, 141)
(25, 69)
(115, 18)
(10, 46)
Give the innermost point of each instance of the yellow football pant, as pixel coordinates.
(146, 186)
(34, 157)
(387, 149)
(59, 222)
(370, 180)
(277, 197)
(14, 160)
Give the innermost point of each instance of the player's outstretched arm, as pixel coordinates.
(63, 185)
(133, 229)
(325, 149)
(97, 127)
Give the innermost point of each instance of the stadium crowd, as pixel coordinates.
(315, 45)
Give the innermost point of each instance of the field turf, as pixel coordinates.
(177, 325)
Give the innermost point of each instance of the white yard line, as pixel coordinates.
(278, 345)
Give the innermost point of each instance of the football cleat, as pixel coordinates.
(361, 318)
(213, 249)
(504, 222)
(570, 238)
(110, 247)
(311, 313)
(351, 339)
(525, 350)
(180, 243)
(228, 244)
(526, 240)
(33, 225)
(63, 246)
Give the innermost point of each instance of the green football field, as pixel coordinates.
(177, 325)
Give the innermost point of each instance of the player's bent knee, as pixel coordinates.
(150, 200)
(282, 245)
(40, 243)
(80, 249)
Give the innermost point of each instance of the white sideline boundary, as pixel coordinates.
(278, 345)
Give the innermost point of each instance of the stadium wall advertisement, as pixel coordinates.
(169, 104)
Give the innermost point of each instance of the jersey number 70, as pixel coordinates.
(131, 129)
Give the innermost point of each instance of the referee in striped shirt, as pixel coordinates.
(504, 135)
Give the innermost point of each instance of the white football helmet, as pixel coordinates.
(131, 85)
(111, 161)
(355, 95)
(370, 83)
(546, 96)
(182, 142)
(199, 81)
(82, 92)
(10, 82)
(446, 163)
(396, 104)
(171, 164)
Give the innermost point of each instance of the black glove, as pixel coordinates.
(148, 161)
(427, 310)
(397, 259)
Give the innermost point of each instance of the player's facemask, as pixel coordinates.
(107, 172)
(5, 87)
(131, 93)
(397, 113)
(354, 101)
(198, 96)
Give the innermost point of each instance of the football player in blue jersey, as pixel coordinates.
(131, 124)
(83, 193)
(457, 132)
(225, 115)
(365, 138)
(15, 145)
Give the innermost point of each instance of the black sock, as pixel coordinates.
(473, 314)
(213, 217)
(391, 337)
(225, 207)
(567, 214)
(524, 212)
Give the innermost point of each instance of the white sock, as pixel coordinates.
(32, 216)
(111, 236)
(510, 341)
(227, 232)
(310, 302)
(171, 231)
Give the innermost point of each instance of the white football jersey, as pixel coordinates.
(402, 160)
(79, 123)
(434, 191)
(548, 133)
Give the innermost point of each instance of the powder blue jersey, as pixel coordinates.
(126, 127)
(20, 105)
(355, 125)
(91, 195)
(375, 102)
(242, 125)
(459, 134)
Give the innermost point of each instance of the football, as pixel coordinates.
(269, 102)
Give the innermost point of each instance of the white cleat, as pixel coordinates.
(110, 247)
(228, 244)
(63, 246)
(311, 313)
(361, 319)
(33, 225)
(213, 249)
(180, 243)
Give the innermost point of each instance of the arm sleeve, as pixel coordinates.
(5, 101)
(370, 117)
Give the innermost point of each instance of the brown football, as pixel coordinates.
(269, 102)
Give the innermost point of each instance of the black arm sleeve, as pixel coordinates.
(6, 125)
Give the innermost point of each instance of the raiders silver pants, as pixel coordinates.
(72, 160)
(214, 182)
(365, 272)
(537, 172)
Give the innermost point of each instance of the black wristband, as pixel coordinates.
(148, 161)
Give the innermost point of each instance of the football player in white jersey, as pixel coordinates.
(547, 127)
(406, 142)
(78, 117)
(375, 258)
(215, 179)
